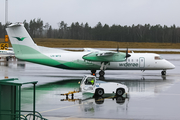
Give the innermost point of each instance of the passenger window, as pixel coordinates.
(136, 60)
(132, 60)
(128, 60)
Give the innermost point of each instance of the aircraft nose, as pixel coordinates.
(170, 65)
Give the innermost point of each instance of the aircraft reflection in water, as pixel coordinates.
(145, 84)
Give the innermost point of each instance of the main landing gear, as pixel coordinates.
(101, 73)
(102, 69)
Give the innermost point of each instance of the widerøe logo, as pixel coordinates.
(20, 38)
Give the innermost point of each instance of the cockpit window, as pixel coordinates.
(157, 58)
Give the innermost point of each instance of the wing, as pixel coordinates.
(99, 52)
(105, 56)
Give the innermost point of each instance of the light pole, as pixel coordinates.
(6, 21)
(6, 11)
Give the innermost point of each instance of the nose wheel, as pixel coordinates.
(163, 72)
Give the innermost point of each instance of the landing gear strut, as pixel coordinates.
(101, 72)
(163, 72)
(102, 68)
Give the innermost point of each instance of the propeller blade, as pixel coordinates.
(117, 48)
(127, 55)
(126, 51)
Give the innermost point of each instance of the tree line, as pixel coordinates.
(134, 33)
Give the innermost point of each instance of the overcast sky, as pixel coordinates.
(119, 12)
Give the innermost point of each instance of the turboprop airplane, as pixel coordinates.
(90, 59)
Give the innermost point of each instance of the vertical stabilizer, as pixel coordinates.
(21, 40)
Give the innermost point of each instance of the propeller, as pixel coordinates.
(117, 48)
(127, 55)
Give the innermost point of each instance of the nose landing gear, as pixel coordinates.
(163, 72)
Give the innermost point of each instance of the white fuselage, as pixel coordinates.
(137, 61)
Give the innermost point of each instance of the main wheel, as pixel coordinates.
(120, 92)
(101, 73)
(99, 92)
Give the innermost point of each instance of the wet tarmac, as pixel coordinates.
(151, 96)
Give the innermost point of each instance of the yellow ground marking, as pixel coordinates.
(59, 108)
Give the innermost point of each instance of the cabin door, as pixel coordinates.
(141, 62)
